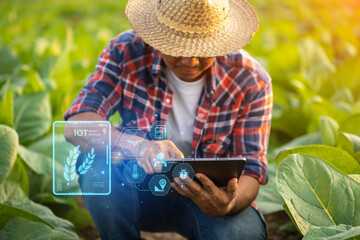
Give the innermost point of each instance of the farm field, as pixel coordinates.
(311, 49)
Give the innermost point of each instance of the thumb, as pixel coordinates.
(231, 188)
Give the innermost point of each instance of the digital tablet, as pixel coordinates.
(219, 170)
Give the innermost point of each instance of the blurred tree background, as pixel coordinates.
(49, 48)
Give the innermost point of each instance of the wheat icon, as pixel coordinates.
(86, 165)
(69, 173)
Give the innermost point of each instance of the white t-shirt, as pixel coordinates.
(182, 114)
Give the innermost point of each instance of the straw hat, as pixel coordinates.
(193, 28)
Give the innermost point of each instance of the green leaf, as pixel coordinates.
(289, 122)
(351, 124)
(350, 143)
(80, 217)
(337, 157)
(39, 163)
(15, 203)
(8, 149)
(32, 116)
(333, 233)
(286, 209)
(356, 177)
(324, 107)
(34, 82)
(269, 200)
(314, 62)
(7, 106)
(329, 130)
(8, 212)
(317, 194)
(307, 139)
(19, 174)
(20, 228)
(8, 60)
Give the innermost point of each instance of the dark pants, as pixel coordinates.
(126, 211)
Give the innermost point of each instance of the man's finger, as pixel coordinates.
(232, 188)
(144, 163)
(193, 186)
(180, 189)
(209, 186)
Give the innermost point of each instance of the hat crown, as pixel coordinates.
(193, 16)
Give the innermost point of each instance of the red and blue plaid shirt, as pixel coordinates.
(234, 111)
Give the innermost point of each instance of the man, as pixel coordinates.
(182, 65)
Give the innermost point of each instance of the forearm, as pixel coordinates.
(247, 190)
(115, 135)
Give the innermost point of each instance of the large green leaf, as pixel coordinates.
(269, 200)
(8, 149)
(337, 157)
(32, 116)
(15, 203)
(39, 163)
(333, 233)
(317, 194)
(20, 228)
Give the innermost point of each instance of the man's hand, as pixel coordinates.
(214, 201)
(156, 153)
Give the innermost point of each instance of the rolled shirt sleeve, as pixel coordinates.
(252, 128)
(103, 91)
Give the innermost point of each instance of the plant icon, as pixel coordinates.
(69, 173)
(86, 165)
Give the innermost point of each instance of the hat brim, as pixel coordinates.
(240, 28)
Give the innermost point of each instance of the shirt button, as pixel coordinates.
(201, 115)
(167, 100)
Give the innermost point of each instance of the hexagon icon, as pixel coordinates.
(183, 170)
(136, 148)
(133, 173)
(159, 158)
(159, 185)
(160, 130)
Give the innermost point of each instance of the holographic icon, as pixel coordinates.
(135, 174)
(183, 174)
(86, 165)
(160, 160)
(69, 171)
(183, 171)
(162, 184)
(159, 185)
(160, 132)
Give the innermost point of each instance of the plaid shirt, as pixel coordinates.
(234, 111)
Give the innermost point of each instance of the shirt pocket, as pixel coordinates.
(218, 128)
